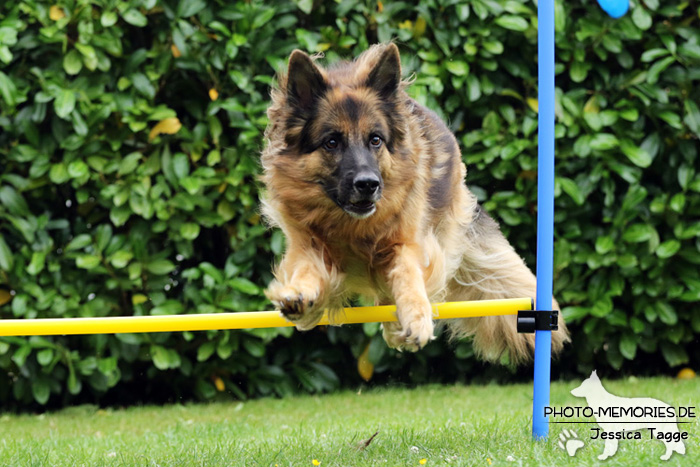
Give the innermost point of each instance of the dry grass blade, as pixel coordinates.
(362, 445)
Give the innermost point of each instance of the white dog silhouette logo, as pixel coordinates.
(616, 415)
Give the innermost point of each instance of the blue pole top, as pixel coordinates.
(615, 8)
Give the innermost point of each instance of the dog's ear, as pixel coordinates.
(305, 83)
(385, 77)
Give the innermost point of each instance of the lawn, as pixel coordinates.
(432, 425)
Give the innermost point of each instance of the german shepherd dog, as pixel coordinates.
(368, 188)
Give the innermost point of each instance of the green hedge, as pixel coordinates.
(130, 134)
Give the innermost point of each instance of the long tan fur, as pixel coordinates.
(428, 239)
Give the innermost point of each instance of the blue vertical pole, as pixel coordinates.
(545, 212)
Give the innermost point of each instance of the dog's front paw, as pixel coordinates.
(297, 304)
(412, 336)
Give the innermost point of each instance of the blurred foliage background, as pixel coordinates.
(129, 139)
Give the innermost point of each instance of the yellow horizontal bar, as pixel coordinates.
(243, 320)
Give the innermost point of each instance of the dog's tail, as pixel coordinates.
(491, 269)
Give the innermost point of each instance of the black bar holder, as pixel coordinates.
(530, 321)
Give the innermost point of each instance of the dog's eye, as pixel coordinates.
(375, 141)
(331, 144)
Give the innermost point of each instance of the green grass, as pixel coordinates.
(446, 425)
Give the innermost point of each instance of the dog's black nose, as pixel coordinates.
(366, 183)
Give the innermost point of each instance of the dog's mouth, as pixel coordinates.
(361, 209)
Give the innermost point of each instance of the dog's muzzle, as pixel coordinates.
(366, 191)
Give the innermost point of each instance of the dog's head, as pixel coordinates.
(589, 385)
(340, 126)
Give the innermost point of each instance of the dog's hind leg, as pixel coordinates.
(491, 269)
(672, 446)
(609, 449)
(669, 451)
(677, 446)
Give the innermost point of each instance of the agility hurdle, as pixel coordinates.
(244, 320)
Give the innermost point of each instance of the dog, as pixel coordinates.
(601, 401)
(369, 190)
